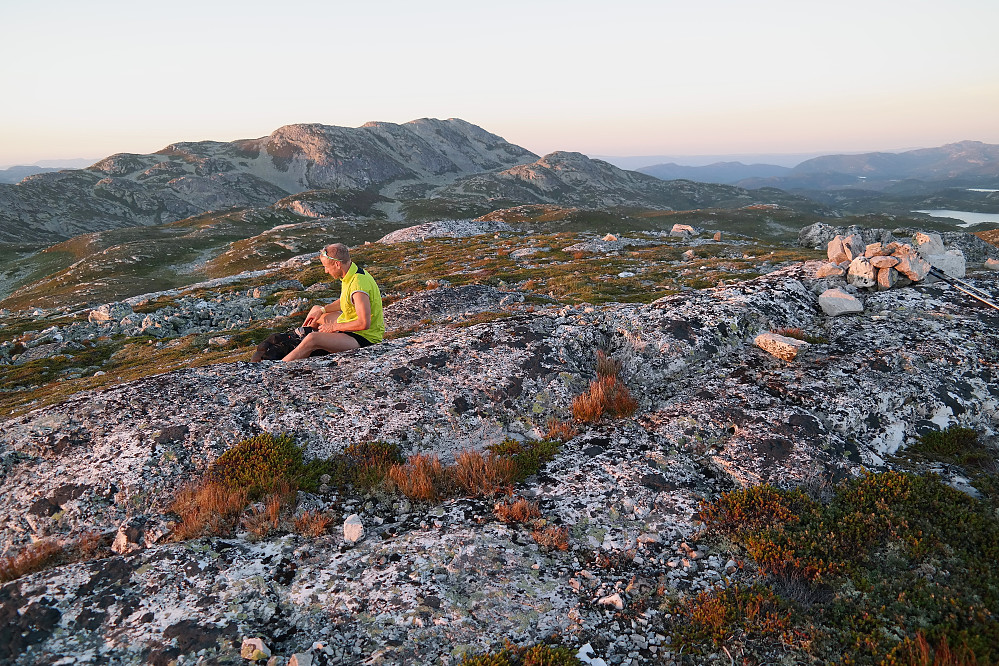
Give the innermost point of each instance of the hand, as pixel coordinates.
(315, 313)
(327, 328)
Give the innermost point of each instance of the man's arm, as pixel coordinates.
(315, 316)
(362, 304)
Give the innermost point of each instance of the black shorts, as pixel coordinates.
(361, 340)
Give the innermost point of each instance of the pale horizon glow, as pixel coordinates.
(639, 78)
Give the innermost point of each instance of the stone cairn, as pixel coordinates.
(882, 266)
(875, 266)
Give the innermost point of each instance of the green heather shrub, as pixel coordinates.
(529, 457)
(954, 445)
(893, 559)
(259, 463)
(537, 655)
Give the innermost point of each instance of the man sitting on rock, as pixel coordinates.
(350, 322)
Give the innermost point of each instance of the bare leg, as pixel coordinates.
(331, 342)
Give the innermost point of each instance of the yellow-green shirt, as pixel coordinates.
(357, 279)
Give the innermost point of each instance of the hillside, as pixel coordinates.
(190, 178)
(623, 548)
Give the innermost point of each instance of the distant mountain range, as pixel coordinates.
(421, 169)
(967, 163)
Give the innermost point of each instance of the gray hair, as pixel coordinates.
(338, 252)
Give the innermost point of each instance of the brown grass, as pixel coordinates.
(607, 395)
(312, 523)
(606, 366)
(207, 507)
(553, 538)
(483, 476)
(519, 511)
(422, 478)
(920, 653)
(33, 557)
(561, 431)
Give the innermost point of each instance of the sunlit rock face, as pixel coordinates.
(715, 413)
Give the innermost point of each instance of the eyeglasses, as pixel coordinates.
(326, 256)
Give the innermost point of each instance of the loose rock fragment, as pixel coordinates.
(612, 600)
(911, 264)
(887, 278)
(254, 649)
(353, 528)
(836, 302)
(780, 346)
(830, 270)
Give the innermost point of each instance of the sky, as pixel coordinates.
(632, 77)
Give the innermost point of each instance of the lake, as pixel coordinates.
(967, 218)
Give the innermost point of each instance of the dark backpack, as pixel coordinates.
(279, 345)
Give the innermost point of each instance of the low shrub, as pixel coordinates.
(528, 457)
(726, 614)
(956, 445)
(562, 431)
(890, 557)
(259, 464)
(536, 655)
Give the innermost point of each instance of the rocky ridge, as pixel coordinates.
(429, 582)
(189, 178)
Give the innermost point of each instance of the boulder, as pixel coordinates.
(845, 248)
(110, 312)
(887, 278)
(874, 250)
(991, 264)
(927, 244)
(718, 236)
(950, 262)
(911, 264)
(830, 270)
(779, 346)
(816, 235)
(682, 230)
(836, 302)
(882, 262)
(861, 273)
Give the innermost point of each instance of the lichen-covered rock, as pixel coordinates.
(431, 581)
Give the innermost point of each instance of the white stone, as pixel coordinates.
(353, 528)
(300, 659)
(681, 230)
(991, 264)
(780, 346)
(254, 649)
(609, 237)
(689, 255)
(584, 656)
(927, 244)
(835, 250)
(854, 246)
(612, 600)
(951, 262)
(836, 302)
